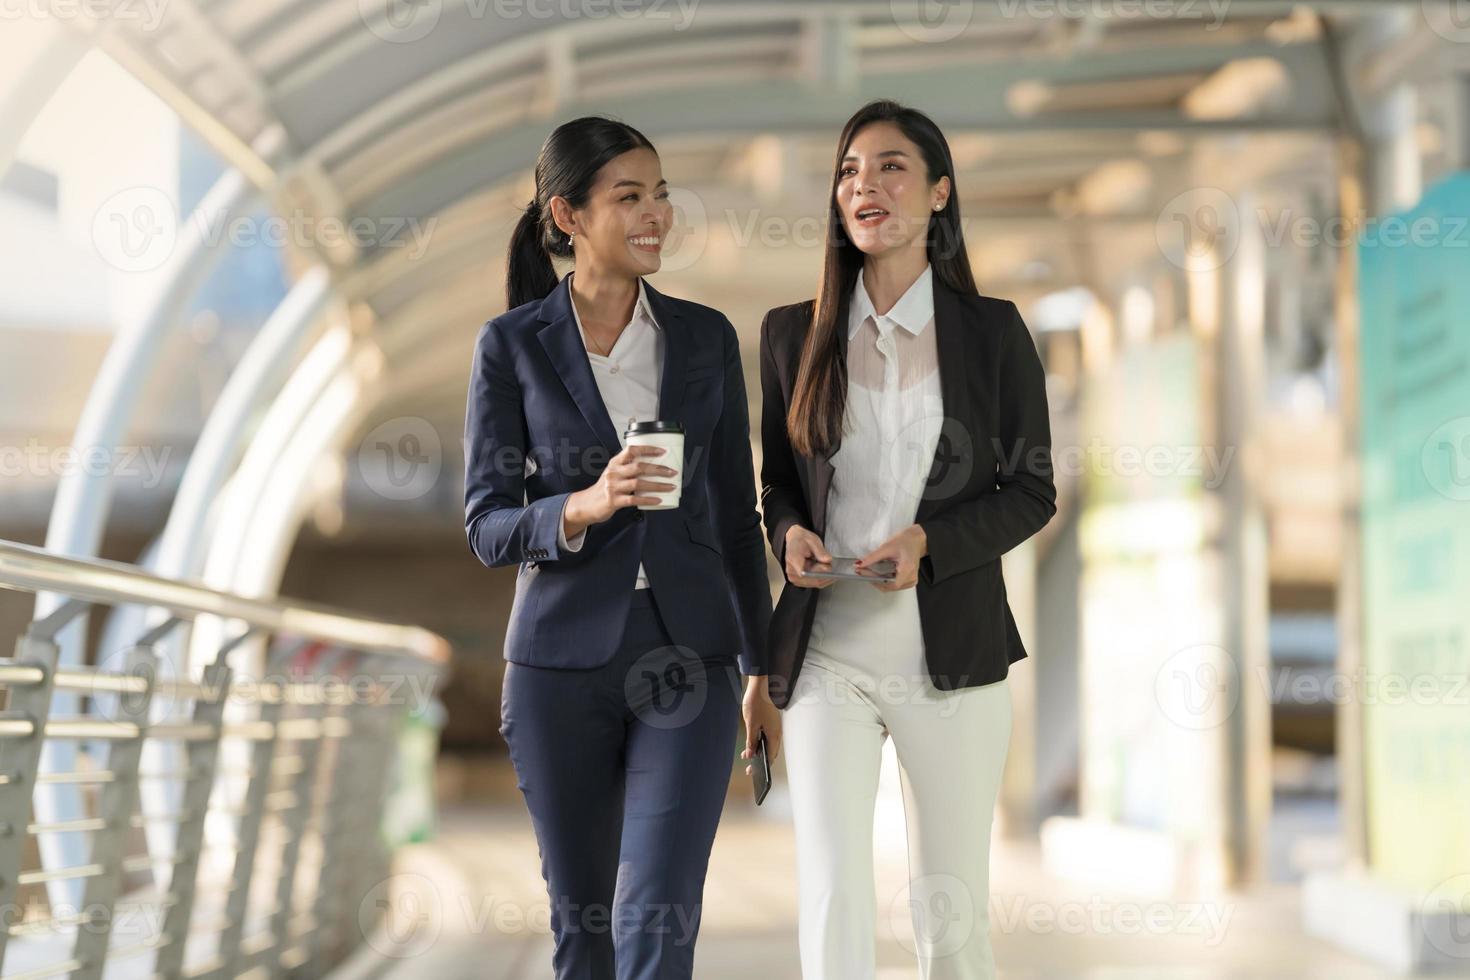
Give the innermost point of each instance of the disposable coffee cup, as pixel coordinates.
(668, 436)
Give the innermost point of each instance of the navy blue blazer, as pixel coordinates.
(536, 430)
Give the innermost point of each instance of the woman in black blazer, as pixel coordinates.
(904, 420)
(621, 699)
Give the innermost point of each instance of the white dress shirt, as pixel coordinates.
(628, 379)
(894, 415)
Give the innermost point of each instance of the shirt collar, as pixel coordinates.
(643, 305)
(641, 308)
(913, 311)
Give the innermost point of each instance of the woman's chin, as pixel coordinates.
(646, 263)
(871, 244)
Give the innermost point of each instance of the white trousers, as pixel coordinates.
(862, 680)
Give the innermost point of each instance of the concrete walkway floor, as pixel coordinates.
(471, 904)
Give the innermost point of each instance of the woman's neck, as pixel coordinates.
(889, 275)
(607, 300)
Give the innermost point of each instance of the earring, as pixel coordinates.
(939, 207)
(571, 236)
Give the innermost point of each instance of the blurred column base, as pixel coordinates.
(1134, 859)
(1385, 923)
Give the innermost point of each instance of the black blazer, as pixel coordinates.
(990, 487)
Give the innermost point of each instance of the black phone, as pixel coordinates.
(761, 770)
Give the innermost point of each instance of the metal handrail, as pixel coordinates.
(27, 568)
(314, 772)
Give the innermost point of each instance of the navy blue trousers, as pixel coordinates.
(624, 769)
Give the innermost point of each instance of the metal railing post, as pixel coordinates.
(334, 819)
(309, 753)
(118, 797)
(262, 760)
(370, 864)
(21, 757)
(202, 755)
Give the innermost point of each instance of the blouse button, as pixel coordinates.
(613, 369)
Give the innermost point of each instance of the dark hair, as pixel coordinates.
(819, 397)
(567, 166)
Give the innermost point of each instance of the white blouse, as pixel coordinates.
(628, 380)
(894, 415)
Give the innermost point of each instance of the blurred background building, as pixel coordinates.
(247, 245)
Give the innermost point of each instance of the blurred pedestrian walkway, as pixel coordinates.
(471, 904)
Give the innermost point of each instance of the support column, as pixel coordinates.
(1017, 815)
(1238, 395)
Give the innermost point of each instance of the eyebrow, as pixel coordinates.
(885, 153)
(636, 183)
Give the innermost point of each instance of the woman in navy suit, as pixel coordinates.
(620, 698)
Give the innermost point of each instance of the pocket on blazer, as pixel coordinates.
(701, 533)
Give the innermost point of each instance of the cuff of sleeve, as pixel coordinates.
(932, 566)
(782, 527)
(562, 542)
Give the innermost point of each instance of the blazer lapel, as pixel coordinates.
(563, 343)
(676, 354)
(951, 328)
(821, 464)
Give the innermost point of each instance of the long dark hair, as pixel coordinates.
(567, 166)
(819, 397)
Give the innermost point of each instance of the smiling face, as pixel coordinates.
(884, 194)
(621, 228)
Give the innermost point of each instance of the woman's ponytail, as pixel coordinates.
(529, 274)
(566, 167)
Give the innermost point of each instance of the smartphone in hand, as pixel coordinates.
(761, 770)
(883, 571)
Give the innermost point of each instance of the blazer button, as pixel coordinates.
(638, 516)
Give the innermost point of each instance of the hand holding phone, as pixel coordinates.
(761, 770)
(801, 547)
(884, 570)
